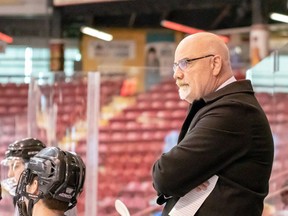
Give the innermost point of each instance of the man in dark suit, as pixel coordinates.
(225, 134)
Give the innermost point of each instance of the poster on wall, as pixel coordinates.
(159, 57)
(22, 8)
(118, 49)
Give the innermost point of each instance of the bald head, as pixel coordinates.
(201, 65)
(204, 43)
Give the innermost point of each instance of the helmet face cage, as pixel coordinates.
(60, 175)
(17, 155)
(11, 169)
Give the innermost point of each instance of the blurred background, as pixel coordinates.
(95, 77)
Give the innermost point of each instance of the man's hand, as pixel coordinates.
(203, 186)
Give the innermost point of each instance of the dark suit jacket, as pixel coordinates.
(225, 133)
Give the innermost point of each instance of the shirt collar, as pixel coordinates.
(227, 82)
(240, 86)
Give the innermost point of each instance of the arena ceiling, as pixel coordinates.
(203, 14)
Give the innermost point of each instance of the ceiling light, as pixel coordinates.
(279, 17)
(186, 29)
(5, 38)
(96, 33)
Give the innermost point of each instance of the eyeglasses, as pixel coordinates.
(183, 63)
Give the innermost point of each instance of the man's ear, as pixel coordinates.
(216, 64)
(33, 187)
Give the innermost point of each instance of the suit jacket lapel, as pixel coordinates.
(194, 108)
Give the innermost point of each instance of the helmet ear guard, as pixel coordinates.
(60, 175)
(26, 178)
(22, 208)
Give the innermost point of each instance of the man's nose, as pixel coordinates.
(178, 74)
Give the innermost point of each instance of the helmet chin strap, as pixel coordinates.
(30, 207)
(22, 208)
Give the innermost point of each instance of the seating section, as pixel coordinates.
(132, 140)
(66, 100)
(13, 112)
(13, 118)
(275, 106)
(70, 99)
(129, 145)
